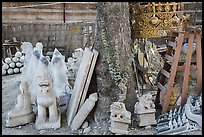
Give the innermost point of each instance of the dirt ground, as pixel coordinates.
(10, 90)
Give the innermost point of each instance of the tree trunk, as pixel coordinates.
(114, 73)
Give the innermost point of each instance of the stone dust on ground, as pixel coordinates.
(10, 91)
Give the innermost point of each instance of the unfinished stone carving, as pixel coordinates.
(145, 110)
(47, 101)
(77, 56)
(84, 111)
(27, 49)
(22, 113)
(61, 84)
(34, 70)
(59, 70)
(32, 65)
(120, 118)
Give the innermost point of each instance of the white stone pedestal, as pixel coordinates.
(21, 120)
(119, 126)
(146, 118)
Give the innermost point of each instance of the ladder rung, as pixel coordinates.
(169, 58)
(182, 68)
(175, 33)
(161, 87)
(172, 44)
(168, 62)
(165, 73)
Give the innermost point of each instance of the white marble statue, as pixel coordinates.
(42, 68)
(32, 65)
(27, 49)
(47, 100)
(23, 112)
(59, 70)
(77, 56)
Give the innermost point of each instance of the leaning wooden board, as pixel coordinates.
(80, 84)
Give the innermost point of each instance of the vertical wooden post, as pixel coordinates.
(64, 8)
(187, 68)
(199, 62)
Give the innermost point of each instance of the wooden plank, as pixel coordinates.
(172, 44)
(36, 11)
(165, 73)
(173, 73)
(181, 68)
(161, 87)
(79, 84)
(187, 69)
(176, 32)
(169, 63)
(199, 62)
(169, 58)
(88, 78)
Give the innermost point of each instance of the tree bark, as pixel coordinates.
(114, 73)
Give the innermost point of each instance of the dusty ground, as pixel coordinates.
(10, 90)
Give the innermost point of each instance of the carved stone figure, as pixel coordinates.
(145, 110)
(77, 56)
(34, 70)
(59, 70)
(120, 118)
(32, 65)
(145, 104)
(47, 102)
(22, 113)
(27, 49)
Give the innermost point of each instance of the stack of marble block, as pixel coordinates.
(13, 65)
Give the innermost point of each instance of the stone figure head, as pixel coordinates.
(39, 46)
(117, 106)
(24, 87)
(77, 53)
(36, 53)
(26, 47)
(45, 84)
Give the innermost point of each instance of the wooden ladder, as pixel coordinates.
(172, 65)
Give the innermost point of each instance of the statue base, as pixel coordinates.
(146, 119)
(21, 120)
(49, 125)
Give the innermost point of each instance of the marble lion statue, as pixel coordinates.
(47, 100)
(145, 103)
(118, 110)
